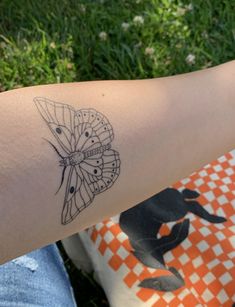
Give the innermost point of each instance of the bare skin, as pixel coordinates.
(164, 129)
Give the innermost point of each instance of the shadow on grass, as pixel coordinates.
(86, 290)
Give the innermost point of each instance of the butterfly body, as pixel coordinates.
(91, 165)
(74, 158)
(77, 157)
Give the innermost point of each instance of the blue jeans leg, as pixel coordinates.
(36, 279)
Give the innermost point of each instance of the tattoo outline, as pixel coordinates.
(84, 137)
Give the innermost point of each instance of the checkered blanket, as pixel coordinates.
(197, 269)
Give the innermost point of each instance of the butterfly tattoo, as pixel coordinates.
(90, 165)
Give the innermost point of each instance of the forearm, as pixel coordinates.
(164, 129)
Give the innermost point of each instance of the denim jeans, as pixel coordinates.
(36, 279)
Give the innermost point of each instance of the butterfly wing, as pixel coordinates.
(108, 170)
(62, 120)
(94, 130)
(78, 195)
(101, 169)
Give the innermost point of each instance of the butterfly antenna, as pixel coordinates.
(56, 150)
(62, 179)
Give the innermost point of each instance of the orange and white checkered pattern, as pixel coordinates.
(205, 259)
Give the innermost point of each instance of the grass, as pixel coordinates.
(59, 41)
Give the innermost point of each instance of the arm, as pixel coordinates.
(164, 130)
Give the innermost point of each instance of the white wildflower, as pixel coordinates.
(178, 45)
(125, 26)
(138, 20)
(190, 59)
(205, 34)
(149, 51)
(52, 45)
(189, 7)
(103, 36)
(69, 65)
(180, 11)
(82, 8)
